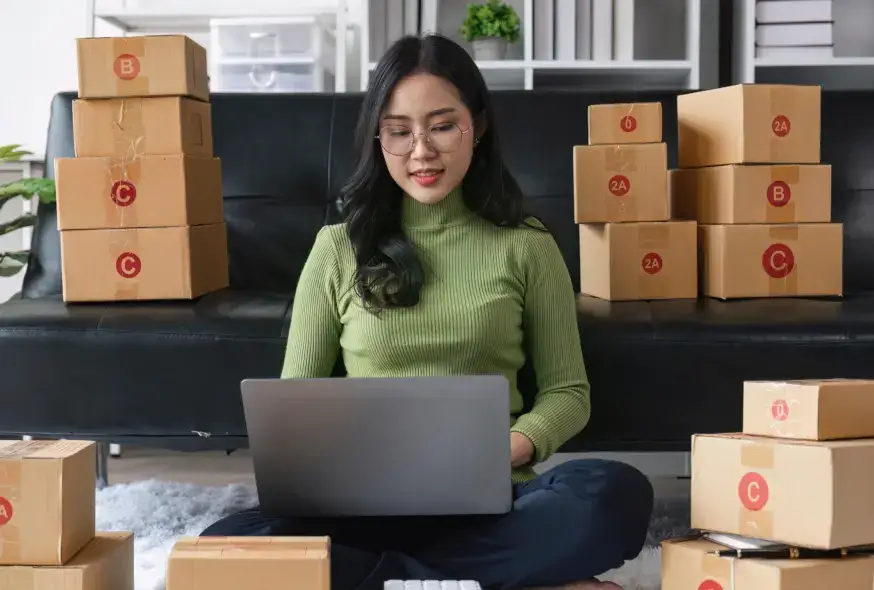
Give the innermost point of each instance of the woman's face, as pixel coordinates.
(423, 105)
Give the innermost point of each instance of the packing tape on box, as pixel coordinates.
(129, 54)
(620, 160)
(778, 413)
(124, 182)
(720, 569)
(781, 212)
(124, 254)
(756, 457)
(779, 257)
(11, 467)
(652, 240)
(128, 132)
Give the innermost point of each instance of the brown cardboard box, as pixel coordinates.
(226, 563)
(686, 565)
(105, 563)
(805, 493)
(46, 501)
(145, 263)
(628, 261)
(814, 409)
(152, 65)
(749, 123)
(148, 191)
(753, 194)
(614, 183)
(771, 260)
(131, 127)
(639, 122)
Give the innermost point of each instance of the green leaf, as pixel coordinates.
(44, 188)
(26, 220)
(13, 152)
(12, 262)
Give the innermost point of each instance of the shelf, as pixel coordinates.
(830, 62)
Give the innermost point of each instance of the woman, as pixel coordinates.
(436, 271)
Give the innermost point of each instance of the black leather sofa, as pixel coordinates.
(168, 373)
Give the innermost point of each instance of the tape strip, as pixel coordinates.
(652, 240)
(757, 456)
(621, 161)
(787, 237)
(128, 131)
(124, 183)
(11, 495)
(721, 569)
(127, 263)
(784, 213)
(138, 85)
(758, 525)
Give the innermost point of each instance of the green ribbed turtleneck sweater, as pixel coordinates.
(490, 294)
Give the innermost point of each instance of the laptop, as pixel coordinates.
(419, 446)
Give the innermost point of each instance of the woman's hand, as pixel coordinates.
(521, 449)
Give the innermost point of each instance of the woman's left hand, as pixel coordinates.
(521, 449)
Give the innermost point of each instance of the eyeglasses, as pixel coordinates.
(399, 140)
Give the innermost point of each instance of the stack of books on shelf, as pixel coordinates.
(788, 504)
(630, 248)
(794, 30)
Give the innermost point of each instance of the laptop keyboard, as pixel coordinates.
(431, 585)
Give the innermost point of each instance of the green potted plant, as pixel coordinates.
(12, 261)
(491, 27)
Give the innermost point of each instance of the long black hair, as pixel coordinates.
(388, 271)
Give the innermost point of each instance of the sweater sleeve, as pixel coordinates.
(562, 407)
(314, 334)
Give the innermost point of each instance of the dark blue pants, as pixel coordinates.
(573, 523)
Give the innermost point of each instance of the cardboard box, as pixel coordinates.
(614, 183)
(131, 127)
(749, 124)
(46, 500)
(148, 191)
(223, 563)
(766, 260)
(686, 565)
(753, 194)
(813, 409)
(806, 493)
(144, 264)
(105, 563)
(621, 123)
(639, 261)
(151, 65)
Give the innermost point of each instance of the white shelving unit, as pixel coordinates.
(521, 70)
(839, 72)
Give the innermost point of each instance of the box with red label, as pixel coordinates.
(807, 493)
(639, 261)
(105, 563)
(219, 563)
(689, 565)
(144, 264)
(151, 65)
(148, 191)
(618, 123)
(753, 194)
(614, 183)
(46, 501)
(813, 409)
(764, 260)
(749, 124)
(131, 127)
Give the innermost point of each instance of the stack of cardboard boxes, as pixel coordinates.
(750, 175)
(630, 249)
(140, 207)
(800, 475)
(47, 525)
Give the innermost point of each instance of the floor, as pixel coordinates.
(218, 468)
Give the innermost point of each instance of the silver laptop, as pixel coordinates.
(380, 447)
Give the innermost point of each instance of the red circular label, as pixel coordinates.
(628, 123)
(778, 260)
(779, 193)
(781, 126)
(126, 66)
(619, 185)
(128, 265)
(780, 410)
(710, 585)
(651, 263)
(753, 491)
(5, 511)
(123, 193)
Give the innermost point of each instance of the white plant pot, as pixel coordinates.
(489, 48)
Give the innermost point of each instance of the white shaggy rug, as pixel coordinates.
(159, 512)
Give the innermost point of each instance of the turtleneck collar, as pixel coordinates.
(447, 212)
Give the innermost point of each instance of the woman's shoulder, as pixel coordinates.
(332, 240)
